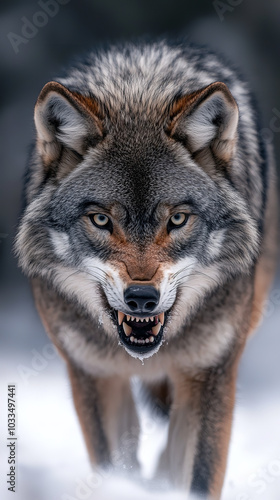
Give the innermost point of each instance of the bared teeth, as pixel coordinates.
(156, 328)
(148, 340)
(161, 318)
(127, 329)
(120, 317)
(158, 321)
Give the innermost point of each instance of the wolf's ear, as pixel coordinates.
(205, 119)
(65, 119)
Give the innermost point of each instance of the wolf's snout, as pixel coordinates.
(141, 298)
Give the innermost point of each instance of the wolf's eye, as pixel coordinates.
(100, 220)
(177, 220)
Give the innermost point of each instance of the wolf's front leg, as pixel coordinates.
(200, 425)
(108, 419)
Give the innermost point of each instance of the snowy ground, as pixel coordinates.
(51, 459)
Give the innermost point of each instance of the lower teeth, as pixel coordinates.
(148, 340)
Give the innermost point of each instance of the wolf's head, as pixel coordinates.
(133, 210)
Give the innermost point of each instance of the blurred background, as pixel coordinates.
(38, 37)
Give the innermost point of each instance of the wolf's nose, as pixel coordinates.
(141, 298)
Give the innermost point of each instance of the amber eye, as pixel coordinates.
(100, 220)
(177, 220)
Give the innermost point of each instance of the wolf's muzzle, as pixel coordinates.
(140, 331)
(141, 298)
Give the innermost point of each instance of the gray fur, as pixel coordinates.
(124, 159)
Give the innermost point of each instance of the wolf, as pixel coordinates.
(149, 236)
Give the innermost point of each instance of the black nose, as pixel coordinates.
(141, 298)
